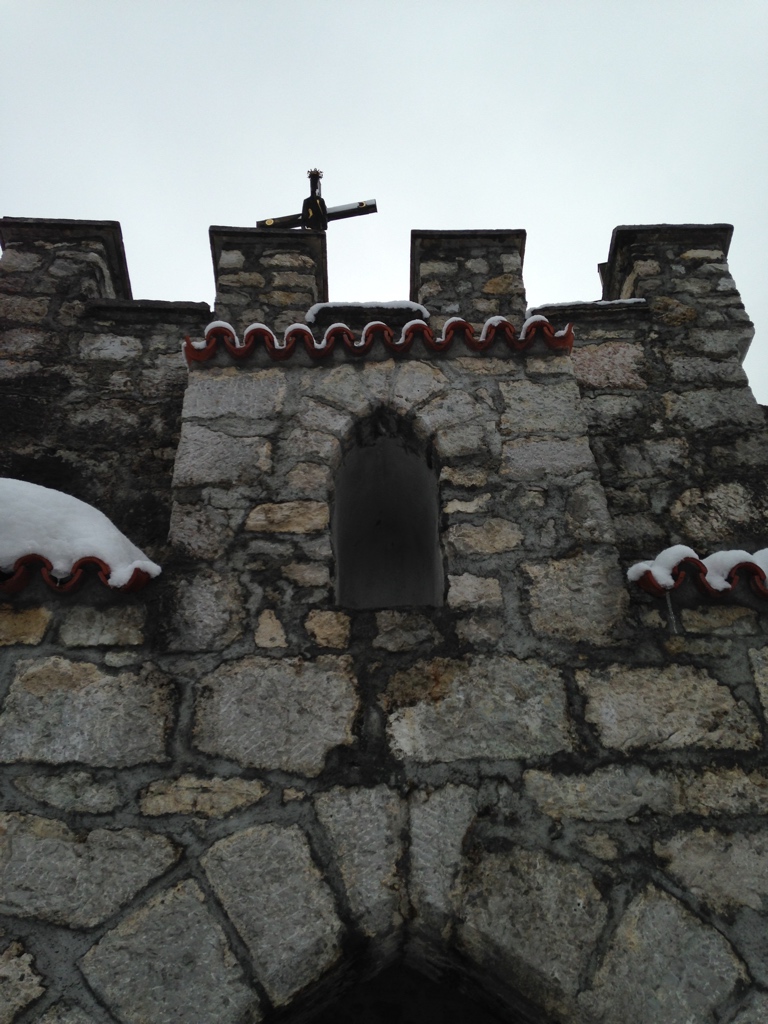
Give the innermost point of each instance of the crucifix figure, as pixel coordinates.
(315, 214)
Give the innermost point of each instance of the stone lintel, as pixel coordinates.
(28, 230)
(150, 311)
(630, 243)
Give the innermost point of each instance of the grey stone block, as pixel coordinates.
(665, 709)
(658, 939)
(59, 710)
(494, 707)
(365, 826)
(277, 714)
(534, 919)
(54, 874)
(169, 962)
(279, 903)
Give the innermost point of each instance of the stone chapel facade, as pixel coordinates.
(392, 725)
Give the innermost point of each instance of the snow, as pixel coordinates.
(312, 312)
(37, 520)
(225, 326)
(493, 321)
(717, 565)
(662, 565)
(538, 319)
(580, 302)
(261, 327)
(720, 564)
(326, 338)
(407, 327)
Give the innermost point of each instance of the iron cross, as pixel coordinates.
(315, 214)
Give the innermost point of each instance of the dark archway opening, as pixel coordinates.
(400, 995)
(386, 517)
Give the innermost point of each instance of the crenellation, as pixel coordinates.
(235, 794)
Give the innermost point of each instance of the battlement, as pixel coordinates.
(434, 647)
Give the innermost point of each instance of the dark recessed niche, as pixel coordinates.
(385, 525)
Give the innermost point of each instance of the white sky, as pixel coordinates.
(563, 117)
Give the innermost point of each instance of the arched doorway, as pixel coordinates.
(385, 520)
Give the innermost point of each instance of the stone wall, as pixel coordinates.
(228, 799)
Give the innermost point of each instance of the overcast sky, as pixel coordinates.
(563, 117)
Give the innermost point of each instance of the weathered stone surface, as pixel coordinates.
(414, 383)
(665, 709)
(492, 536)
(59, 711)
(288, 517)
(277, 714)
(720, 621)
(464, 477)
(73, 791)
(210, 798)
(202, 532)
(109, 346)
(55, 874)
(578, 598)
(599, 845)
(269, 632)
(242, 280)
(231, 259)
(365, 826)
(758, 658)
(20, 984)
(613, 364)
(672, 312)
(309, 480)
(22, 625)
(504, 284)
(258, 395)
(22, 308)
(315, 416)
(307, 574)
(532, 459)
(63, 1014)
(493, 707)
(468, 591)
(533, 918)
(439, 822)
(208, 612)
(279, 903)
(485, 632)
(13, 260)
(726, 791)
(550, 408)
(724, 870)
(93, 627)
(178, 951)
(755, 1012)
(658, 939)
(207, 456)
(711, 407)
(400, 631)
(711, 515)
(607, 794)
(328, 629)
(473, 505)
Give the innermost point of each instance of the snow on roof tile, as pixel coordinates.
(41, 527)
(220, 334)
(717, 574)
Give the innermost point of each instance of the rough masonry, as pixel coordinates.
(230, 797)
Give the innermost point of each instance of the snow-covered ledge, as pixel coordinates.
(62, 535)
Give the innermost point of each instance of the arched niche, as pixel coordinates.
(385, 523)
